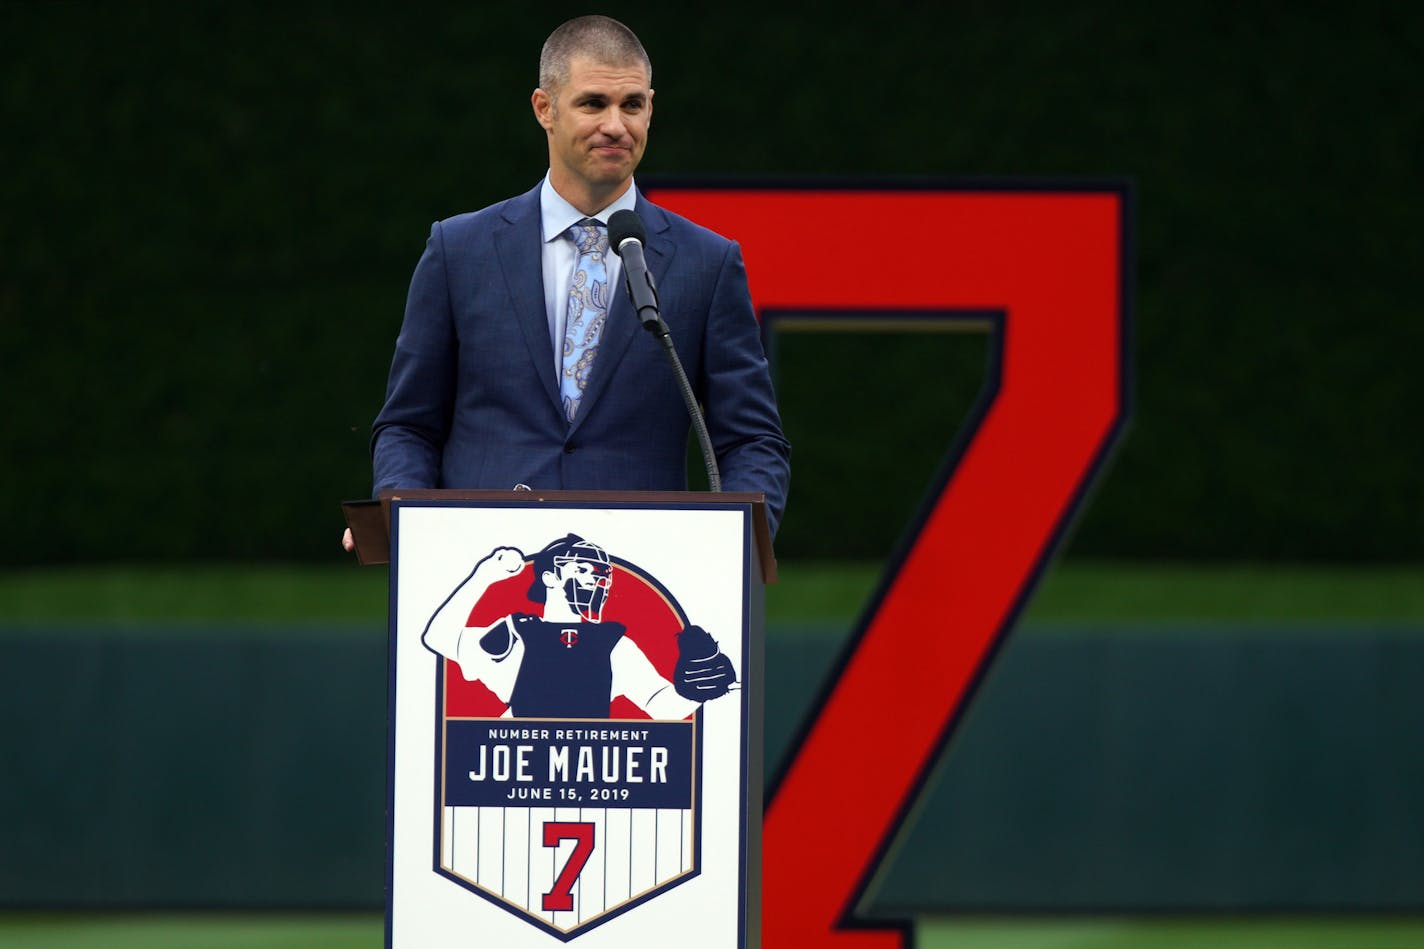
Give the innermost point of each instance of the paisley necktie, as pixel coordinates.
(588, 307)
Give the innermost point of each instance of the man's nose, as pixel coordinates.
(612, 124)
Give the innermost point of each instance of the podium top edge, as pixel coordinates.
(602, 497)
(378, 547)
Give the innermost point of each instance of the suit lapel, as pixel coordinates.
(518, 244)
(623, 324)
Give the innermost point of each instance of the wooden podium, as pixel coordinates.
(525, 811)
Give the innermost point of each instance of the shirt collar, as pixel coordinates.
(556, 215)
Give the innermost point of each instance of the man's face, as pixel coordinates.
(598, 127)
(584, 585)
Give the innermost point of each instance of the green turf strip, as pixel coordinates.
(834, 593)
(1186, 932)
(191, 931)
(211, 931)
(1123, 591)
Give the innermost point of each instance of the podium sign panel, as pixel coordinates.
(574, 745)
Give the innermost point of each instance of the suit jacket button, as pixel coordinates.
(568, 448)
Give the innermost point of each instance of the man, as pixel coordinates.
(521, 362)
(568, 661)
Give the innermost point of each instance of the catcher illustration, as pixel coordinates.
(567, 661)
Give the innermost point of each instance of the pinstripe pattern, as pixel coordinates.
(501, 850)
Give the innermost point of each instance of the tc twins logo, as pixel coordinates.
(569, 748)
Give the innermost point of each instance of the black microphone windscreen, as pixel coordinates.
(623, 225)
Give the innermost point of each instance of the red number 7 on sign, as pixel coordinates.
(561, 897)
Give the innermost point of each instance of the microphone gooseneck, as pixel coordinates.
(626, 236)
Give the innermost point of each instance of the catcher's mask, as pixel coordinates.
(584, 570)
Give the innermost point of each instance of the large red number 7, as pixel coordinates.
(561, 897)
(1048, 266)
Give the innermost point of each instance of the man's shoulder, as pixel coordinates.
(510, 210)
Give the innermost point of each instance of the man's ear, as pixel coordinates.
(543, 105)
(551, 579)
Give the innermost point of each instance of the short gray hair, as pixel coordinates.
(600, 38)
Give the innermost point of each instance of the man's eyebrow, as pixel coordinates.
(598, 98)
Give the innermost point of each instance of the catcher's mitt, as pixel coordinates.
(702, 671)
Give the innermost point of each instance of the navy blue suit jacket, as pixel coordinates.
(472, 400)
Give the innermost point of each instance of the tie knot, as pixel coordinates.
(590, 237)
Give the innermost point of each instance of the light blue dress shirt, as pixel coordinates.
(559, 256)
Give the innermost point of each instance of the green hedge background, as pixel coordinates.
(212, 213)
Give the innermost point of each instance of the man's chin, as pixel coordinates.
(610, 177)
(612, 169)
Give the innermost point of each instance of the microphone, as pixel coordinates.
(626, 236)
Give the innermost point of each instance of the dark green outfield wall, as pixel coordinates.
(1111, 769)
(211, 214)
